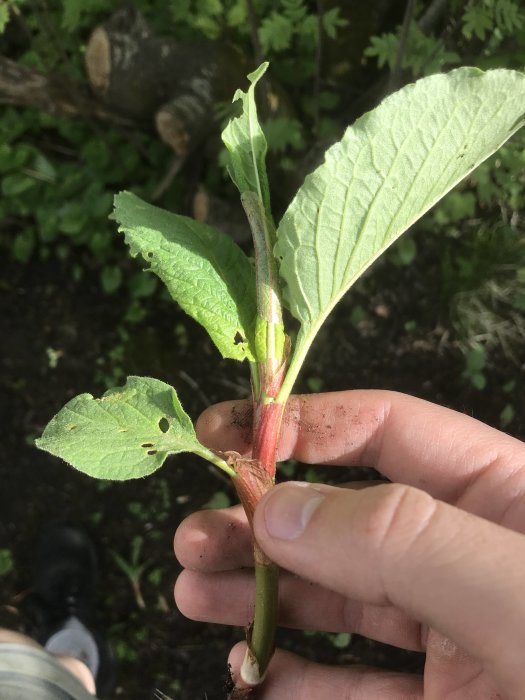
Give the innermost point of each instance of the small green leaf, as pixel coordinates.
(23, 246)
(7, 563)
(341, 640)
(203, 269)
(246, 144)
(315, 384)
(507, 415)
(405, 252)
(16, 184)
(384, 49)
(111, 278)
(126, 434)
(282, 133)
(390, 167)
(4, 16)
(332, 22)
(476, 359)
(478, 380)
(478, 21)
(275, 33)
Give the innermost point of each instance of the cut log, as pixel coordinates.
(22, 86)
(160, 81)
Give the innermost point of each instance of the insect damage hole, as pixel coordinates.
(147, 444)
(164, 425)
(152, 452)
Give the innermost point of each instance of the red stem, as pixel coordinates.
(255, 476)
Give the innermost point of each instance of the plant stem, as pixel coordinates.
(262, 634)
(256, 475)
(270, 340)
(255, 478)
(216, 460)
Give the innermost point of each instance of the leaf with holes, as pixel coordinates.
(204, 270)
(126, 434)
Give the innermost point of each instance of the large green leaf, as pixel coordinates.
(204, 270)
(245, 141)
(126, 434)
(390, 167)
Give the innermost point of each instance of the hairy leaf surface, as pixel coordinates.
(204, 270)
(390, 167)
(246, 143)
(126, 434)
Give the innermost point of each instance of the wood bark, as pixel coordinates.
(157, 80)
(22, 86)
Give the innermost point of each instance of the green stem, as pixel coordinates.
(269, 331)
(216, 460)
(262, 638)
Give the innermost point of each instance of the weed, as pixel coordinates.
(372, 186)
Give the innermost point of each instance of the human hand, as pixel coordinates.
(434, 562)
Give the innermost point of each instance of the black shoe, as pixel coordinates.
(64, 585)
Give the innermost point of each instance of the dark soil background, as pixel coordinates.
(41, 308)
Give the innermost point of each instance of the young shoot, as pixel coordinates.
(389, 168)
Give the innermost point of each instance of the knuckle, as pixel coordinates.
(397, 516)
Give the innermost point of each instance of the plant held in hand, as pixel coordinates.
(389, 168)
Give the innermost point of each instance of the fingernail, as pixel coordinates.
(289, 508)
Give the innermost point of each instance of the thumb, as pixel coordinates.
(393, 544)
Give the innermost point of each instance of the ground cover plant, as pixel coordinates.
(389, 168)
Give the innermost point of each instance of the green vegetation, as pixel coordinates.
(330, 64)
(7, 563)
(57, 176)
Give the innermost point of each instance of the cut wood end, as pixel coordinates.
(201, 205)
(172, 131)
(98, 61)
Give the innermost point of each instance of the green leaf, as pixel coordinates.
(236, 15)
(126, 434)
(478, 21)
(508, 15)
(282, 133)
(390, 167)
(507, 415)
(7, 563)
(23, 246)
(332, 22)
(111, 278)
(275, 33)
(341, 640)
(384, 49)
(75, 11)
(246, 144)
(476, 359)
(4, 16)
(203, 269)
(478, 380)
(16, 184)
(405, 252)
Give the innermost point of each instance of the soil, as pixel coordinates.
(56, 340)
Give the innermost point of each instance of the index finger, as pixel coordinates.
(408, 440)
